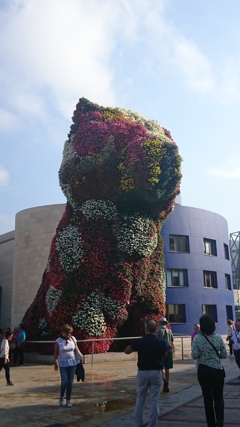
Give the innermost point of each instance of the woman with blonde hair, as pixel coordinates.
(66, 358)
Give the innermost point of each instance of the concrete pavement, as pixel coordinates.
(107, 397)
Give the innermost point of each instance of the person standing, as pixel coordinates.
(208, 347)
(13, 348)
(230, 330)
(151, 351)
(166, 334)
(20, 343)
(195, 332)
(236, 342)
(66, 357)
(4, 354)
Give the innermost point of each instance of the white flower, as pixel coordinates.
(92, 209)
(137, 234)
(66, 189)
(52, 297)
(48, 264)
(44, 328)
(68, 244)
(90, 315)
(68, 152)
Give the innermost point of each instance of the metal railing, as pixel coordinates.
(182, 345)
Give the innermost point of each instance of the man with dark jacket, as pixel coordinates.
(151, 350)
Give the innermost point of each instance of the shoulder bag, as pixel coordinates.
(224, 373)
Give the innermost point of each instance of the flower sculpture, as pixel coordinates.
(120, 174)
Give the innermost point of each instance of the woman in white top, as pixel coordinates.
(4, 354)
(230, 330)
(66, 357)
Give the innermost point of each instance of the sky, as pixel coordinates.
(174, 61)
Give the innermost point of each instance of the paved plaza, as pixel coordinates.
(107, 397)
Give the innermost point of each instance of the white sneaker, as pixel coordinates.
(60, 401)
(68, 404)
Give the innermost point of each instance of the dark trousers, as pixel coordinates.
(212, 381)
(6, 366)
(20, 355)
(230, 345)
(14, 355)
(237, 357)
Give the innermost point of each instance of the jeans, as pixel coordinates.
(212, 381)
(67, 376)
(147, 380)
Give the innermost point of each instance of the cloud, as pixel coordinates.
(53, 52)
(195, 66)
(7, 120)
(4, 177)
(56, 50)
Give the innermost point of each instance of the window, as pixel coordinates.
(176, 313)
(210, 247)
(210, 279)
(226, 251)
(176, 277)
(229, 312)
(228, 282)
(179, 243)
(210, 310)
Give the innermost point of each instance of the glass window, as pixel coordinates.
(210, 310)
(226, 251)
(229, 312)
(176, 313)
(176, 277)
(228, 281)
(210, 279)
(178, 243)
(210, 247)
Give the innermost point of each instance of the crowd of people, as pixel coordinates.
(155, 359)
(11, 349)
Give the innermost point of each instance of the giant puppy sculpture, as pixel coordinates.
(120, 174)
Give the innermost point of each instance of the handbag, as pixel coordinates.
(223, 369)
(80, 372)
(77, 352)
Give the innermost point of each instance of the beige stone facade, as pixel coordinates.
(6, 277)
(24, 259)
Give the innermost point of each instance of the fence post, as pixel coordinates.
(92, 351)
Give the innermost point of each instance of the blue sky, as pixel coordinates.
(175, 61)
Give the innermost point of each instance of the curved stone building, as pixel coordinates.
(34, 230)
